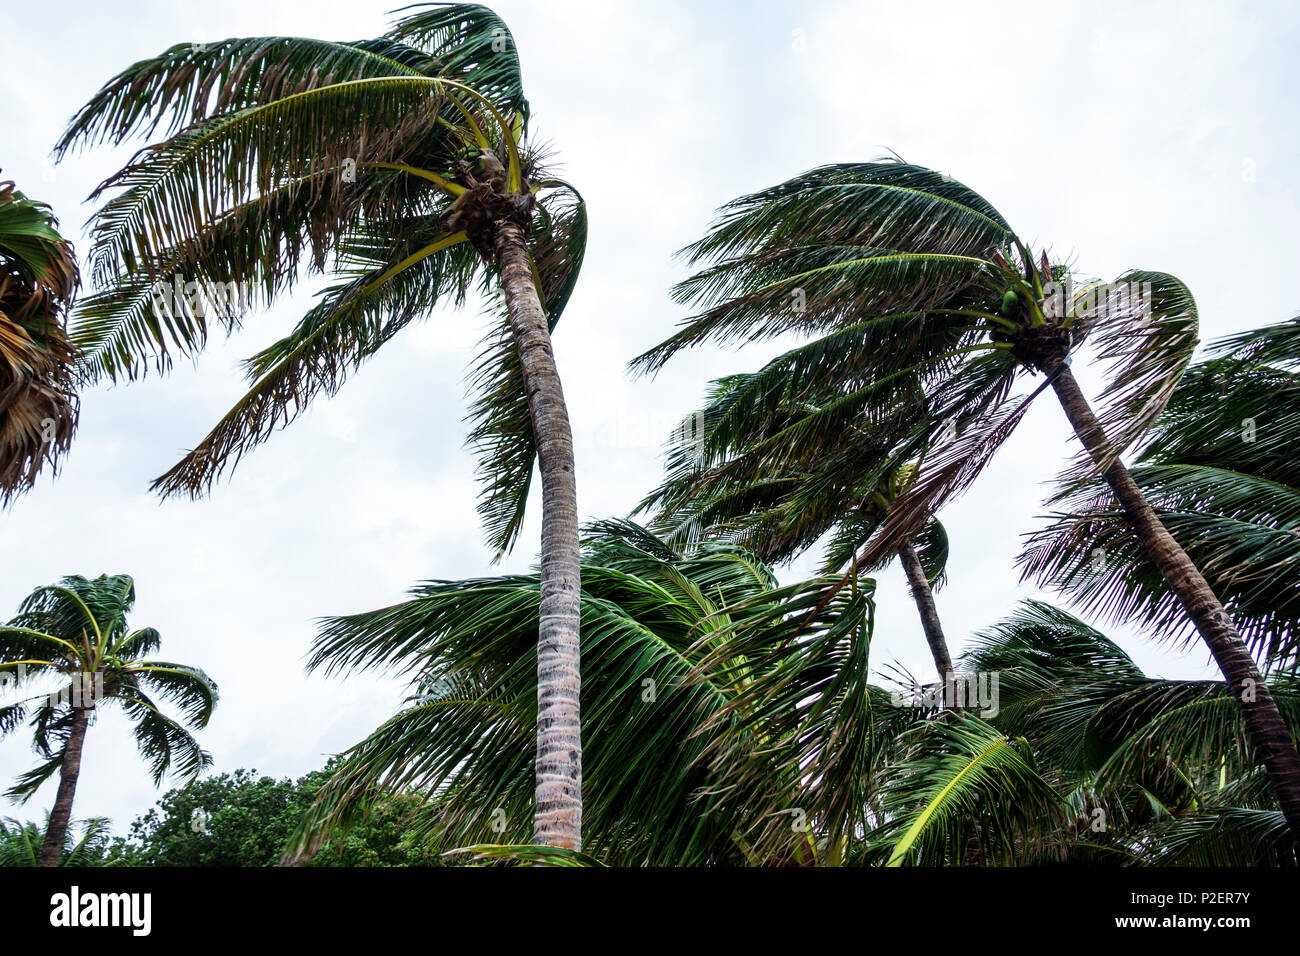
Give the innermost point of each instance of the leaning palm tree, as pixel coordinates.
(1220, 470)
(717, 737)
(405, 166)
(38, 403)
(722, 483)
(904, 274)
(73, 636)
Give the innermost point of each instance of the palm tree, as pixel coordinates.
(404, 165)
(1219, 468)
(76, 633)
(907, 275)
(722, 483)
(38, 279)
(20, 843)
(716, 737)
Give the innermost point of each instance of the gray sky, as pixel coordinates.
(1153, 135)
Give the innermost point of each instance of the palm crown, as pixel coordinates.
(906, 279)
(383, 161)
(38, 279)
(76, 632)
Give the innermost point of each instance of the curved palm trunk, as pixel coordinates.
(61, 815)
(557, 817)
(1268, 732)
(924, 598)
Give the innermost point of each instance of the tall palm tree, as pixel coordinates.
(1220, 470)
(38, 280)
(75, 633)
(905, 274)
(722, 482)
(716, 737)
(404, 165)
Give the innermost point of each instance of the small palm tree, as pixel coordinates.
(905, 275)
(406, 166)
(716, 737)
(38, 279)
(75, 632)
(20, 843)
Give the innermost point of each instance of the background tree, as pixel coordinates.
(905, 275)
(404, 166)
(74, 636)
(38, 403)
(243, 819)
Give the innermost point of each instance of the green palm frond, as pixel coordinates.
(962, 780)
(1277, 344)
(693, 689)
(1145, 328)
(38, 282)
(529, 855)
(350, 322)
(469, 43)
(1232, 836)
(165, 744)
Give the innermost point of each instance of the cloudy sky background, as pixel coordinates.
(1117, 134)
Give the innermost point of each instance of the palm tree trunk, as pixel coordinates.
(557, 815)
(924, 598)
(61, 815)
(1268, 732)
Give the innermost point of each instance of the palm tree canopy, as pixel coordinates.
(710, 733)
(38, 281)
(380, 162)
(74, 637)
(904, 277)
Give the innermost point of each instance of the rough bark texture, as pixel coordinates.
(61, 815)
(924, 598)
(1268, 732)
(557, 819)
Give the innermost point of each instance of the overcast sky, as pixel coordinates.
(1120, 135)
